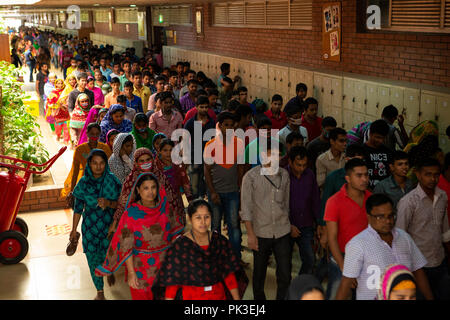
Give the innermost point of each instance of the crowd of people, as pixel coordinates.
(367, 208)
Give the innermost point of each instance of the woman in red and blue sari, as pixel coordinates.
(145, 232)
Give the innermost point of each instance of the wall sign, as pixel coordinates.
(199, 22)
(142, 29)
(331, 31)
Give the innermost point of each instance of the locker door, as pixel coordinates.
(360, 97)
(194, 60)
(443, 112)
(411, 105)
(336, 92)
(349, 94)
(212, 61)
(372, 99)
(252, 75)
(262, 75)
(444, 143)
(318, 87)
(326, 91)
(336, 113)
(383, 100)
(347, 119)
(308, 79)
(251, 93)
(201, 62)
(272, 78)
(294, 76)
(283, 80)
(427, 107)
(358, 118)
(396, 97)
(246, 70)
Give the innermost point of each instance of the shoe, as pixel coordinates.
(72, 245)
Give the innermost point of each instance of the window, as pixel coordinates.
(84, 16)
(172, 15)
(102, 16)
(285, 14)
(126, 16)
(414, 15)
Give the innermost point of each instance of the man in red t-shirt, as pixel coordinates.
(310, 120)
(345, 216)
(278, 117)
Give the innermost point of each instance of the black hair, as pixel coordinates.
(99, 153)
(202, 92)
(377, 199)
(160, 78)
(121, 98)
(191, 72)
(165, 95)
(92, 126)
(213, 92)
(227, 79)
(243, 110)
(263, 121)
(173, 74)
(352, 164)
(146, 74)
(233, 105)
(447, 132)
(277, 97)
(128, 84)
(390, 112)
(294, 135)
(310, 101)
(140, 117)
(193, 81)
(224, 115)
(201, 75)
(293, 109)
(137, 73)
(165, 142)
(115, 80)
(195, 204)
(242, 89)
(297, 151)
(354, 150)
(115, 63)
(428, 162)
(202, 100)
(127, 62)
(329, 122)
(180, 63)
(129, 138)
(380, 127)
(224, 66)
(83, 75)
(334, 133)
(398, 155)
(147, 177)
(301, 86)
(187, 64)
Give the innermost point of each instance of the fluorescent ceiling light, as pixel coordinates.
(132, 5)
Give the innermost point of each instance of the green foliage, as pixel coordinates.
(21, 131)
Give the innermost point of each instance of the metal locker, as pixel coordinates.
(251, 93)
(396, 97)
(348, 98)
(383, 100)
(212, 62)
(318, 88)
(326, 92)
(195, 64)
(245, 71)
(282, 80)
(411, 106)
(308, 79)
(272, 79)
(360, 97)
(444, 143)
(261, 93)
(358, 118)
(427, 107)
(262, 75)
(253, 72)
(372, 99)
(336, 113)
(443, 112)
(336, 92)
(294, 76)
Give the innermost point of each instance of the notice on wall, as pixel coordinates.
(331, 31)
(142, 28)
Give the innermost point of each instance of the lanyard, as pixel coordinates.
(273, 184)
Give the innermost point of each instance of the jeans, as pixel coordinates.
(31, 67)
(281, 248)
(55, 61)
(439, 280)
(197, 179)
(229, 208)
(42, 101)
(334, 279)
(305, 242)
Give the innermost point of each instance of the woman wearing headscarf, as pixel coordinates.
(144, 162)
(95, 199)
(156, 141)
(397, 283)
(99, 98)
(141, 132)
(79, 117)
(114, 119)
(110, 137)
(80, 160)
(52, 107)
(121, 161)
(145, 232)
(305, 287)
(200, 265)
(93, 116)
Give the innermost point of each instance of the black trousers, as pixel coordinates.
(282, 250)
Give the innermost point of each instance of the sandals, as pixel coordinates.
(72, 246)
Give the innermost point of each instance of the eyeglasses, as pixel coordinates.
(389, 217)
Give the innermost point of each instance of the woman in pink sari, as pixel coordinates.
(99, 98)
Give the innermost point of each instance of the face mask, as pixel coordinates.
(84, 104)
(93, 138)
(297, 122)
(146, 165)
(141, 130)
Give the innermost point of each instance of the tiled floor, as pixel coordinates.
(47, 273)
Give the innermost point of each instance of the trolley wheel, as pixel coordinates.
(13, 247)
(21, 226)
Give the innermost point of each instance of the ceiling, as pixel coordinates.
(102, 3)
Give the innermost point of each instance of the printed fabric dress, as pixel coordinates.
(96, 221)
(146, 234)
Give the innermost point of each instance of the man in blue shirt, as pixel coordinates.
(132, 101)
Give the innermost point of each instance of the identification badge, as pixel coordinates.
(208, 288)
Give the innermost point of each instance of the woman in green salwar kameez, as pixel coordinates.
(96, 197)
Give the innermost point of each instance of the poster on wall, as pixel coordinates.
(331, 31)
(142, 30)
(110, 16)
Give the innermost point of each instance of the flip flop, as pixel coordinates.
(72, 245)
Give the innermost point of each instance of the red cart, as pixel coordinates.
(13, 230)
